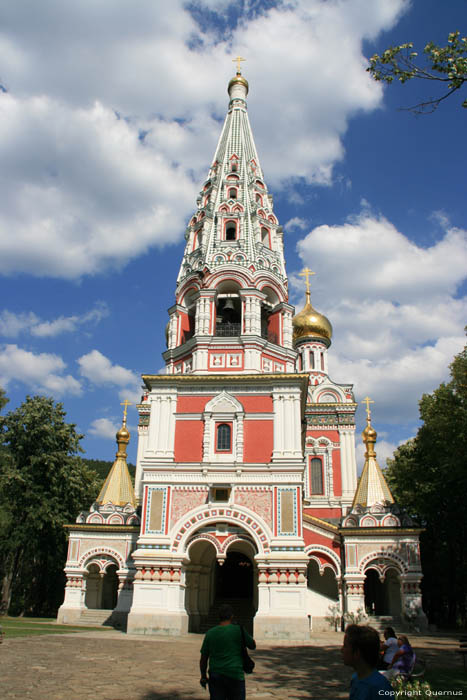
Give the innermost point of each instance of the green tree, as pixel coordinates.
(43, 485)
(3, 399)
(444, 66)
(102, 468)
(428, 476)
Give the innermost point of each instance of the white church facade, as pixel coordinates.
(246, 480)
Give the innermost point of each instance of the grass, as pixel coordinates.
(453, 678)
(32, 626)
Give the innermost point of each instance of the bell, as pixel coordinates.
(229, 305)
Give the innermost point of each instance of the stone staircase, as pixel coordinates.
(243, 613)
(95, 618)
(380, 622)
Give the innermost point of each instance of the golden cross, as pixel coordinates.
(125, 404)
(307, 273)
(238, 61)
(367, 400)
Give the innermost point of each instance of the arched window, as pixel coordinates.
(265, 236)
(224, 438)
(231, 231)
(234, 167)
(232, 193)
(316, 476)
(312, 359)
(259, 199)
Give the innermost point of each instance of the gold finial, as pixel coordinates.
(238, 60)
(367, 400)
(306, 272)
(125, 405)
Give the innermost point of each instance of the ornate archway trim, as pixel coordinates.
(235, 515)
(388, 560)
(237, 538)
(322, 566)
(94, 554)
(207, 538)
(320, 549)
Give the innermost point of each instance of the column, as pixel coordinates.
(162, 424)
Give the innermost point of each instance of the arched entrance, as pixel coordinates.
(323, 582)
(101, 587)
(110, 588)
(234, 579)
(214, 577)
(383, 597)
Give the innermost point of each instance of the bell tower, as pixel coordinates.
(232, 312)
(220, 460)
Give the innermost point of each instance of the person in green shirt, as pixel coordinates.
(222, 647)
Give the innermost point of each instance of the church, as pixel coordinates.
(246, 485)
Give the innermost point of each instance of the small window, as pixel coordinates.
(222, 495)
(259, 199)
(316, 473)
(312, 359)
(234, 167)
(224, 438)
(265, 237)
(231, 231)
(232, 193)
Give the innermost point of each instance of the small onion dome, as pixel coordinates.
(310, 323)
(123, 435)
(238, 80)
(369, 434)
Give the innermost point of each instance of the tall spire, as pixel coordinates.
(372, 487)
(117, 488)
(235, 224)
(232, 311)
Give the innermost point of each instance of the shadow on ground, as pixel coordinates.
(284, 672)
(170, 695)
(305, 672)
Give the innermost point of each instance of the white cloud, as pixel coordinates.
(131, 394)
(393, 305)
(103, 427)
(99, 370)
(11, 324)
(368, 258)
(384, 451)
(69, 324)
(105, 136)
(42, 372)
(295, 224)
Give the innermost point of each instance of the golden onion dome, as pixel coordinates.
(310, 323)
(238, 80)
(123, 435)
(369, 434)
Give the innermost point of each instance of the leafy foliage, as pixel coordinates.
(43, 485)
(428, 477)
(416, 688)
(333, 617)
(354, 618)
(444, 64)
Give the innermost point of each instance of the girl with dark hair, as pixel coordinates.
(388, 648)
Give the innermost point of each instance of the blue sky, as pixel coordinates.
(108, 123)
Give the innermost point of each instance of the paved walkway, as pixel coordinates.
(115, 666)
